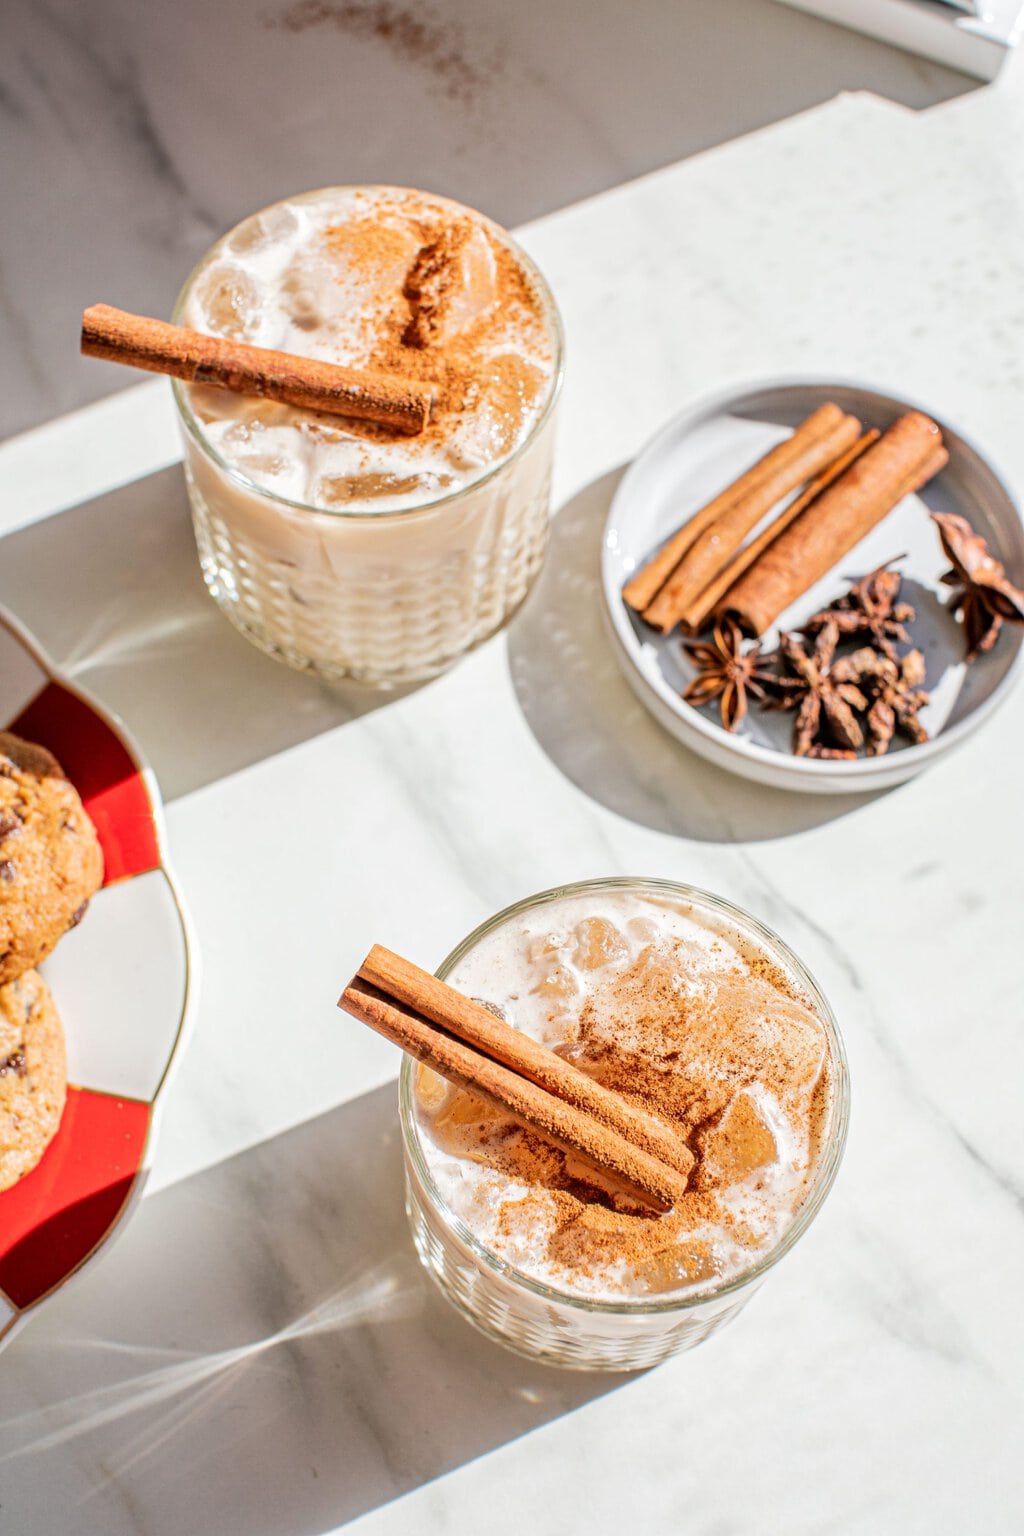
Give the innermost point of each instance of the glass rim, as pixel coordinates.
(361, 512)
(834, 1136)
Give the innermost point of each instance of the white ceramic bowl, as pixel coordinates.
(698, 453)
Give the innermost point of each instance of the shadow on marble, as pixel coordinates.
(594, 729)
(262, 1355)
(518, 109)
(127, 616)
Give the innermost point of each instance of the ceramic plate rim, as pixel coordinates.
(190, 997)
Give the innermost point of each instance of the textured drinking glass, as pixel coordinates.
(556, 1326)
(380, 597)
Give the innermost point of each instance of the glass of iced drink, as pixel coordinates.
(340, 546)
(698, 1013)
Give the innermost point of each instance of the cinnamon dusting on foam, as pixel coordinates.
(390, 281)
(713, 1038)
(418, 335)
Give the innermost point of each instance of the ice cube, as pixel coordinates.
(451, 282)
(271, 227)
(800, 1040)
(263, 466)
(595, 1236)
(741, 1142)
(598, 943)
(238, 436)
(341, 287)
(268, 453)
(771, 1027)
(210, 404)
(495, 1008)
(673, 1268)
(309, 295)
(229, 302)
(541, 947)
(352, 489)
(556, 983)
(576, 1055)
(431, 1090)
(655, 972)
(464, 1109)
(375, 252)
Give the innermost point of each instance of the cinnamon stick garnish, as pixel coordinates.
(475, 1025)
(629, 1162)
(717, 545)
(694, 618)
(140, 342)
(904, 458)
(642, 588)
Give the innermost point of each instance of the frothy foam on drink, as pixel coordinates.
(382, 279)
(673, 1006)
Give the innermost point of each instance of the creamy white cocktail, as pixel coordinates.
(343, 546)
(700, 1016)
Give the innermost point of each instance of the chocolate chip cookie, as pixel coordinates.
(33, 1075)
(50, 858)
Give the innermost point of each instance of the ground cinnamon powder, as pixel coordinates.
(420, 256)
(684, 1053)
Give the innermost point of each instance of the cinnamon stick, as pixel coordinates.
(140, 342)
(904, 458)
(694, 618)
(712, 551)
(643, 1176)
(642, 588)
(475, 1025)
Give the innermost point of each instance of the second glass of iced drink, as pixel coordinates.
(338, 546)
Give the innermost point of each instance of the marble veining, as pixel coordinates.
(134, 134)
(768, 896)
(260, 1353)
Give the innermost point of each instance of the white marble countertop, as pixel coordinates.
(259, 1353)
(133, 134)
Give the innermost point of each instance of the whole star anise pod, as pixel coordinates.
(981, 587)
(871, 608)
(726, 672)
(894, 688)
(826, 701)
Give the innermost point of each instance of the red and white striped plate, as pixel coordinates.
(125, 986)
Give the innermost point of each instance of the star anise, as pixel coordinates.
(894, 688)
(870, 608)
(981, 587)
(826, 701)
(726, 672)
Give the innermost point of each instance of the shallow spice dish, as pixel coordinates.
(698, 453)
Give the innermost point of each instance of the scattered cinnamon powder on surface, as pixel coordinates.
(410, 34)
